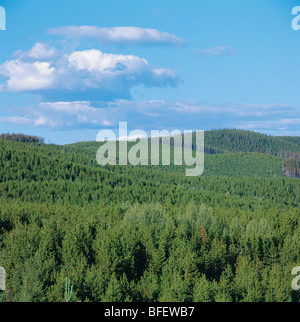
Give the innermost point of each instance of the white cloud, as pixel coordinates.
(120, 35)
(95, 61)
(159, 114)
(67, 107)
(15, 120)
(44, 121)
(81, 75)
(281, 124)
(24, 76)
(39, 52)
(61, 115)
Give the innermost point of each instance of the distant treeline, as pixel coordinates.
(22, 138)
(233, 141)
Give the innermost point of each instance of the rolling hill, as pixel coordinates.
(148, 233)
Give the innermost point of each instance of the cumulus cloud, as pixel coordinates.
(39, 52)
(24, 76)
(81, 75)
(92, 89)
(120, 35)
(96, 61)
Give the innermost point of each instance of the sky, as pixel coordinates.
(71, 68)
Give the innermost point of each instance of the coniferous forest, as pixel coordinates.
(149, 233)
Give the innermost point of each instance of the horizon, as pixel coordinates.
(134, 139)
(68, 71)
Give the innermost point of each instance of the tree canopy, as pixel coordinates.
(146, 233)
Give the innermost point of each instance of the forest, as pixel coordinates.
(71, 230)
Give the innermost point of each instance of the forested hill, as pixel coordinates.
(292, 139)
(232, 141)
(265, 155)
(40, 162)
(233, 153)
(145, 233)
(228, 141)
(219, 141)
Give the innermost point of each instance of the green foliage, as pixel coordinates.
(228, 141)
(147, 233)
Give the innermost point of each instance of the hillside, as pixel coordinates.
(291, 139)
(228, 141)
(125, 233)
(238, 164)
(231, 141)
(234, 153)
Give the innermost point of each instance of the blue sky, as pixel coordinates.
(70, 68)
